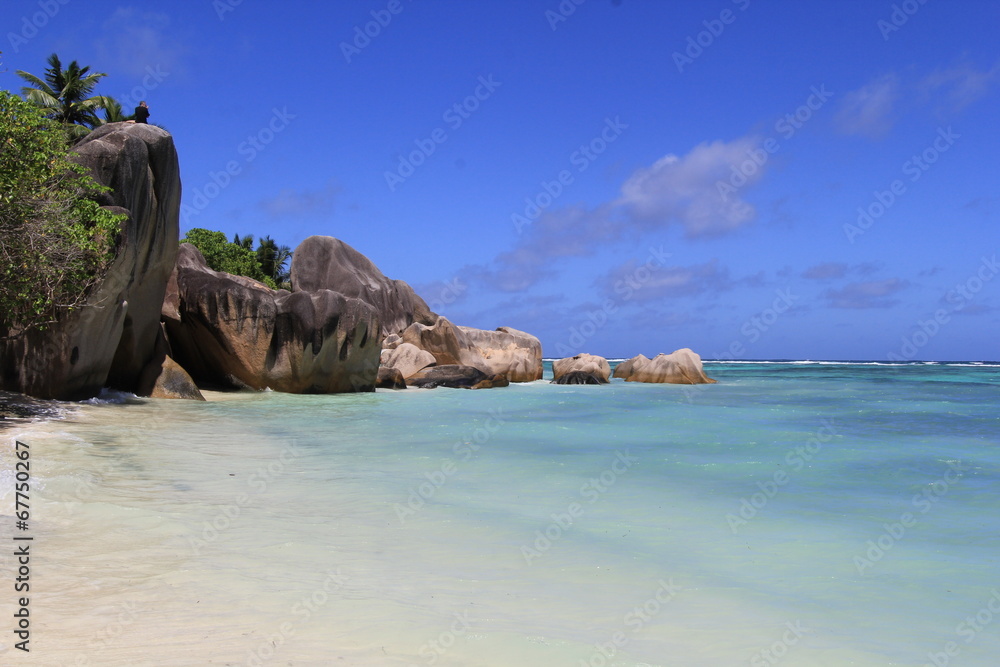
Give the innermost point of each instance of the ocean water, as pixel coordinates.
(803, 514)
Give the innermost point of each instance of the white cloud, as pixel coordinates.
(685, 190)
(863, 295)
(296, 203)
(675, 191)
(960, 85)
(633, 281)
(868, 111)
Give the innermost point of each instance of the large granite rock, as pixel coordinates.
(447, 343)
(588, 363)
(326, 263)
(165, 378)
(679, 367)
(456, 377)
(578, 377)
(407, 358)
(515, 354)
(625, 368)
(507, 351)
(390, 378)
(111, 340)
(391, 342)
(233, 331)
(174, 382)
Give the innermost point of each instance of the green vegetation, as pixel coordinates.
(267, 264)
(55, 241)
(274, 260)
(66, 96)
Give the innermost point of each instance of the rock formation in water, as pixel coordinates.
(624, 369)
(407, 359)
(111, 341)
(390, 378)
(586, 363)
(679, 367)
(578, 377)
(325, 263)
(509, 352)
(233, 331)
(456, 377)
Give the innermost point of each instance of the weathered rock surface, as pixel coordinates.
(391, 342)
(457, 377)
(390, 378)
(407, 358)
(446, 343)
(679, 367)
(579, 377)
(512, 353)
(165, 378)
(516, 354)
(588, 363)
(625, 368)
(174, 382)
(112, 340)
(326, 263)
(233, 331)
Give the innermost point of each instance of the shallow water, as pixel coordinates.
(798, 514)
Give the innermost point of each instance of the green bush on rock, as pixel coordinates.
(222, 255)
(56, 242)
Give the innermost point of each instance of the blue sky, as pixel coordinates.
(751, 179)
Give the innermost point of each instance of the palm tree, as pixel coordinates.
(67, 96)
(246, 242)
(273, 259)
(282, 265)
(113, 112)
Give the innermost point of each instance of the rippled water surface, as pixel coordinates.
(801, 514)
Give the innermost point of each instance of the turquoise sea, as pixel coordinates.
(802, 514)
